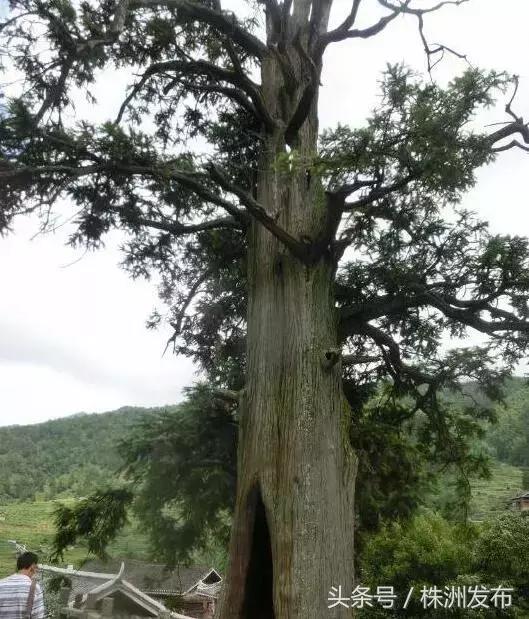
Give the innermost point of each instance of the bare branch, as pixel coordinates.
(508, 107)
(437, 50)
(345, 31)
(340, 34)
(405, 8)
(348, 22)
(511, 144)
(517, 126)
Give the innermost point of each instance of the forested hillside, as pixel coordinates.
(68, 457)
(509, 438)
(73, 456)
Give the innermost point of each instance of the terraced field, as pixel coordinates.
(31, 524)
(491, 496)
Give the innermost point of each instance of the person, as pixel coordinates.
(20, 594)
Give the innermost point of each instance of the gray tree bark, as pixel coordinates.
(292, 537)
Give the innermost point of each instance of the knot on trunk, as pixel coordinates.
(331, 357)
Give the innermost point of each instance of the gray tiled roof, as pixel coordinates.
(84, 584)
(521, 496)
(150, 577)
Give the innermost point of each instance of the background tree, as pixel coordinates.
(322, 256)
(188, 516)
(502, 552)
(430, 551)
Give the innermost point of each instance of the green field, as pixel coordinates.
(491, 496)
(31, 524)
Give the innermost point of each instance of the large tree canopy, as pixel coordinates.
(290, 260)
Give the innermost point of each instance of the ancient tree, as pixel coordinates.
(311, 258)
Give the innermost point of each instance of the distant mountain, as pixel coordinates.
(72, 456)
(68, 457)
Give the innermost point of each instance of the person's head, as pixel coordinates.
(27, 564)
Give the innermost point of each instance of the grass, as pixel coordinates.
(31, 524)
(491, 496)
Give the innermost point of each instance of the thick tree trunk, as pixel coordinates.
(292, 538)
(293, 529)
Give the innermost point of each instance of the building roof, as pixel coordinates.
(96, 586)
(156, 579)
(521, 496)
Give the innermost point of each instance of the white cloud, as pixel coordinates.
(69, 331)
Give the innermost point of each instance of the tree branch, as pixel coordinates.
(405, 8)
(208, 69)
(518, 126)
(359, 359)
(472, 319)
(467, 312)
(348, 22)
(183, 178)
(380, 192)
(273, 12)
(229, 92)
(178, 229)
(340, 33)
(177, 325)
(54, 93)
(228, 395)
(391, 353)
(258, 212)
(221, 21)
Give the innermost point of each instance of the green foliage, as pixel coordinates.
(189, 511)
(392, 466)
(97, 519)
(525, 478)
(503, 548)
(33, 524)
(432, 120)
(64, 457)
(425, 550)
(179, 469)
(183, 468)
(430, 551)
(489, 495)
(509, 439)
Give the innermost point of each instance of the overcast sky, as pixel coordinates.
(72, 327)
